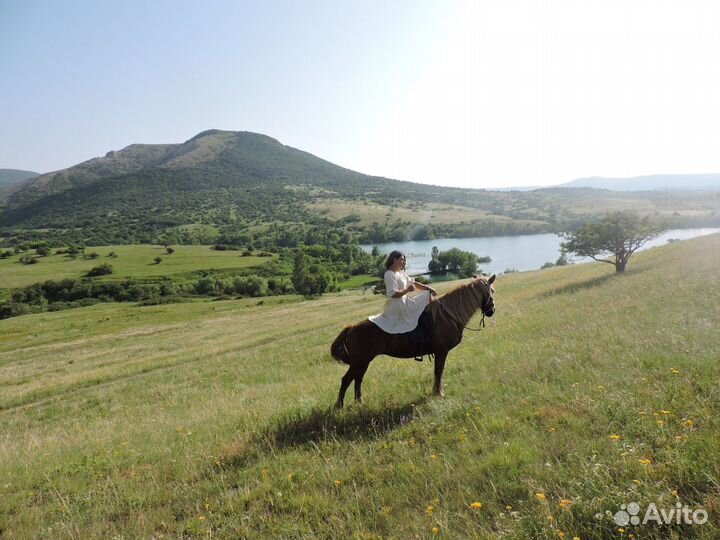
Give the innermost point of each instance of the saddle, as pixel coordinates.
(421, 336)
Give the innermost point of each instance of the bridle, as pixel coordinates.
(486, 305)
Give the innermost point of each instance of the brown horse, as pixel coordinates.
(358, 344)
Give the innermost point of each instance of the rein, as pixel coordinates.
(465, 326)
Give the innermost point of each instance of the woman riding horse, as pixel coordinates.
(358, 344)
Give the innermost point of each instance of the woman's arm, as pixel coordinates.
(403, 292)
(424, 287)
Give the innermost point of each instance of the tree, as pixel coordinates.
(619, 234)
(157, 260)
(308, 280)
(455, 261)
(169, 250)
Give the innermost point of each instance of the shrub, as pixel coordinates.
(27, 259)
(13, 309)
(250, 286)
(102, 270)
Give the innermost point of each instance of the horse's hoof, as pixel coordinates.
(439, 393)
(338, 405)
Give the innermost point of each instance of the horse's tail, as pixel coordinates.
(339, 350)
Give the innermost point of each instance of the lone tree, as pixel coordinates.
(619, 234)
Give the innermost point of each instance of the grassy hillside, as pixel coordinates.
(131, 261)
(213, 419)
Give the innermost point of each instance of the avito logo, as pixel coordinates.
(680, 514)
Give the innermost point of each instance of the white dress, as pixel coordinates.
(400, 315)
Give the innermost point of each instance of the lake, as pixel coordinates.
(522, 252)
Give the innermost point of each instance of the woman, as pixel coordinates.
(401, 312)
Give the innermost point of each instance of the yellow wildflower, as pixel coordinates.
(338, 482)
(429, 510)
(540, 496)
(644, 461)
(477, 505)
(564, 503)
(615, 437)
(436, 530)
(688, 423)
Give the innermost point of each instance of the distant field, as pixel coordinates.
(131, 261)
(213, 420)
(370, 212)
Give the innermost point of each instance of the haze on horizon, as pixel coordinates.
(469, 93)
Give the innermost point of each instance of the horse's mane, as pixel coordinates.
(462, 301)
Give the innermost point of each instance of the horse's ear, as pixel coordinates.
(491, 280)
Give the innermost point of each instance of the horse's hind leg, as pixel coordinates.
(344, 383)
(359, 374)
(355, 372)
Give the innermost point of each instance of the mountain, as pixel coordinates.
(9, 177)
(242, 187)
(651, 182)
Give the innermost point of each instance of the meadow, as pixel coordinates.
(213, 419)
(136, 261)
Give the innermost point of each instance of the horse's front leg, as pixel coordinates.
(440, 358)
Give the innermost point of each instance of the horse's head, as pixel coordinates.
(488, 303)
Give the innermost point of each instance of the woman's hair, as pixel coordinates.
(392, 257)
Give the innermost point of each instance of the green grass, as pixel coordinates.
(358, 282)
(213, 419)
(135, 261)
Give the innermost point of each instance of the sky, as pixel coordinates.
(469, 93)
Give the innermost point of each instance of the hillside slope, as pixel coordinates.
(213, 419)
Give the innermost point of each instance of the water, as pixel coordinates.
(523, 252)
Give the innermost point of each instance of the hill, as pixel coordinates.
(651, 182)
(213, 419)
(9, 177)
(250, 188)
